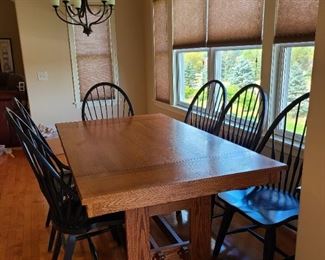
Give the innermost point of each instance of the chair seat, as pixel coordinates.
(263, 205)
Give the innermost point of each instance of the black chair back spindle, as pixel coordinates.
(24, 115)
(284, 141)
(242, 120)
(206, 106)
(106, 100)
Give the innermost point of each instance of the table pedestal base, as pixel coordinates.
(138, 231)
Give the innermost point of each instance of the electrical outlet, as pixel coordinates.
(42, 75)
(21, 86)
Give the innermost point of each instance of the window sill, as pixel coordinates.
(178, 111)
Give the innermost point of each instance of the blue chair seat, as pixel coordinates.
(263, 205)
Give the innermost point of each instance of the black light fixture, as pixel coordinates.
(78, 12)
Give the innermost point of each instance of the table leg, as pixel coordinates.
(137, 234)
(200, 229)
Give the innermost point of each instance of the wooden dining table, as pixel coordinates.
(152, 164)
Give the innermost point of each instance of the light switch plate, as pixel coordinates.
(42, 75)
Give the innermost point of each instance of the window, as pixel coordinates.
(294, 77)
(192, 72)
(238, 67)
(235, 67)
(222, 39)
(192, 28)
(93, 57)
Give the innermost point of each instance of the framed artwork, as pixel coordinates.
(6, 61)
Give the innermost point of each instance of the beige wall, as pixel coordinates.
(44, 40)
(130, 33)
(311, 229)
(9, 29)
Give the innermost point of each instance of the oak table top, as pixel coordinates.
(146, 160)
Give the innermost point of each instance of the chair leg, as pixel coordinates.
(48, 219)
(226, 220)
(269, 243)
(92, 248)
(119, 235)
(57, 246)
(69, 248)
(116, 236)
(51, 240)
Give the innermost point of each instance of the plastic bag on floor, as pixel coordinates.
(4, 150)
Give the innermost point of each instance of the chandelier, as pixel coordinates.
(79, 12)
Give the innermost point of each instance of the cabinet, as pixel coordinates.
(7, 133)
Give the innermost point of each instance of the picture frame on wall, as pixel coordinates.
(6, 60)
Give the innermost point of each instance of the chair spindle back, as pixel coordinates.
(206, 106)
(242, 120)
(284, 141)
(106, 100)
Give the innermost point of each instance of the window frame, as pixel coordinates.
(178, 79)
(212, 66)
(111, 30)
(281, 68)
(217, 65)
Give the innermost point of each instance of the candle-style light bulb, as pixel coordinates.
(77, 4)
(55, 3)
(111, 2)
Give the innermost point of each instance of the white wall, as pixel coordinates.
(45, 47)
(311, 228)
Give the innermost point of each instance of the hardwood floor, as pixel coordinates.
(23, 234)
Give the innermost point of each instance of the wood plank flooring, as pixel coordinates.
(23, 234)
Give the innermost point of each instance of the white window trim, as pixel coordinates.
(178, 79)
(74, 66)
(281, 80)
(280, 67)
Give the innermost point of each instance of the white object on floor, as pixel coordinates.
(4, 150)
(47, 132)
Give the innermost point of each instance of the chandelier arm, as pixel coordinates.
(99, 21)
(72, 11)
(62, 19)
(76, 22)
(101, 16)
(86, 20)
(82, 10)
(81, 14)
(91, 11)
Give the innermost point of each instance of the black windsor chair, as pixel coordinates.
(241, 121)
(68, 216)
(106, 100)
(65, 170)
(206, 106)
(271, 206)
